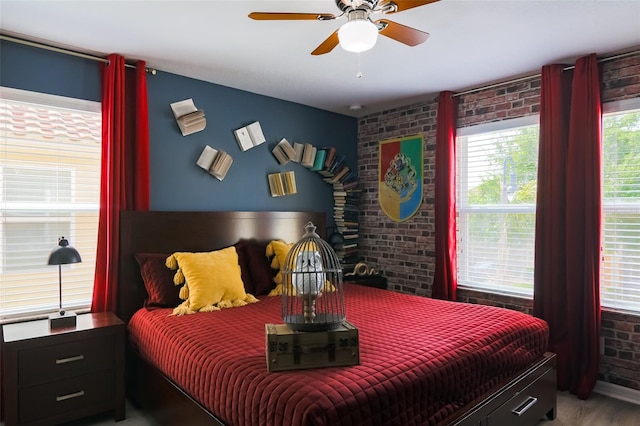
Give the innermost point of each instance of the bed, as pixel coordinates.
(422, 361)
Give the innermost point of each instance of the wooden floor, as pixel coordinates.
(598, 410)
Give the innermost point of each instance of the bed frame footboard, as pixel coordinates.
(523, 399)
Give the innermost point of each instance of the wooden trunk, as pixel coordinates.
(287, 349)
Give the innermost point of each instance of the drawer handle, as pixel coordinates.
(522, 408)
(69, 396)
(70, 359)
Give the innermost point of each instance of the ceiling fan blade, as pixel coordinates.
(327, 45)
(401, 5)
(402, 33)
(274, 16)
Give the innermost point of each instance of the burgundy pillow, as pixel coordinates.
(245, 270)
(261, 272)
(158, 280)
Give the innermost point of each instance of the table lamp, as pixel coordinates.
(63, 254)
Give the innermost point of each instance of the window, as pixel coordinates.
(50, 150)
(497, 166)
(620, 268)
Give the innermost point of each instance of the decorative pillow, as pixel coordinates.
(261, 273)
(277, 250)
(158, 281)
(212, 280)
(242, 247)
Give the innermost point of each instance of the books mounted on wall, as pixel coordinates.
(308, 155)
(189, 118)
(338, 177)
(282, 183)
(299, 149)
(331, 152)
(284, 152)
(318, 162)
(215, 161)
(249, 136)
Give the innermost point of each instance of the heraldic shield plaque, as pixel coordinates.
(400, 177)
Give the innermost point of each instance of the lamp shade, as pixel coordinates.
(358, 35)
(64, 254)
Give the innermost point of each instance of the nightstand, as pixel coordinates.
(54, 376)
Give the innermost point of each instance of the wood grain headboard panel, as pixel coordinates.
(167, 232)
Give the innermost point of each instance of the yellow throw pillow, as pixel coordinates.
(279, 250)
(212, 280)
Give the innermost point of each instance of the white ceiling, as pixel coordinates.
(472, 43)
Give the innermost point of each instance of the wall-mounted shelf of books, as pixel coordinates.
(346, 193)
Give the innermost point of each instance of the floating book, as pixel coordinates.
(215, 161)
(282, 183)
(189, 118)
(318, 162)
(284, 152)
(299, 149)
(308, 155)
(249, 136)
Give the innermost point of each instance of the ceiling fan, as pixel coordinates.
(361, 31)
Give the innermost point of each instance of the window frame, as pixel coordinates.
(70, 210)
(465, 209)
(611, 108)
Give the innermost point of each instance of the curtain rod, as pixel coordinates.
(151, 71)
(537, 75)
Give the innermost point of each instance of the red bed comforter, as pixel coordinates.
(420, 360)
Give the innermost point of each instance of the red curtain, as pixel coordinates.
(124, 182)
(583, 226)
(550, 296)
(445, 279)
(566, 278)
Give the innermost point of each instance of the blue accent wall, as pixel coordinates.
(177, 183)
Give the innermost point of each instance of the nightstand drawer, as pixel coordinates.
(54, 362)
(66, 396)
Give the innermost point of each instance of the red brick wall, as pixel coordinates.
(404, 252)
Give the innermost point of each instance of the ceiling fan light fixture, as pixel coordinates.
(359, 34)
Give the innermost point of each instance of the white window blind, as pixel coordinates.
(496, 194)
(50, 150)
(620, 268)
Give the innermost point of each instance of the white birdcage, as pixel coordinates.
(313, 292)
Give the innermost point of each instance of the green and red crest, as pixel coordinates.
(400, 177)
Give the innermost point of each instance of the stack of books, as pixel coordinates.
(346, 212)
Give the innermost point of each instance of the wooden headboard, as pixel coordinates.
(167, 232)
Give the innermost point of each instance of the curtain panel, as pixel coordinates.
(124, 182)
(445, 281)
(566, 274)
(550, 276)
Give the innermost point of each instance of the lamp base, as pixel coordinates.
(62, 319)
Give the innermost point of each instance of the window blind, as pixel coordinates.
(620, 268)
(50, 149)
(496, 190)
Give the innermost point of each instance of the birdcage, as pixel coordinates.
(313, 292)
